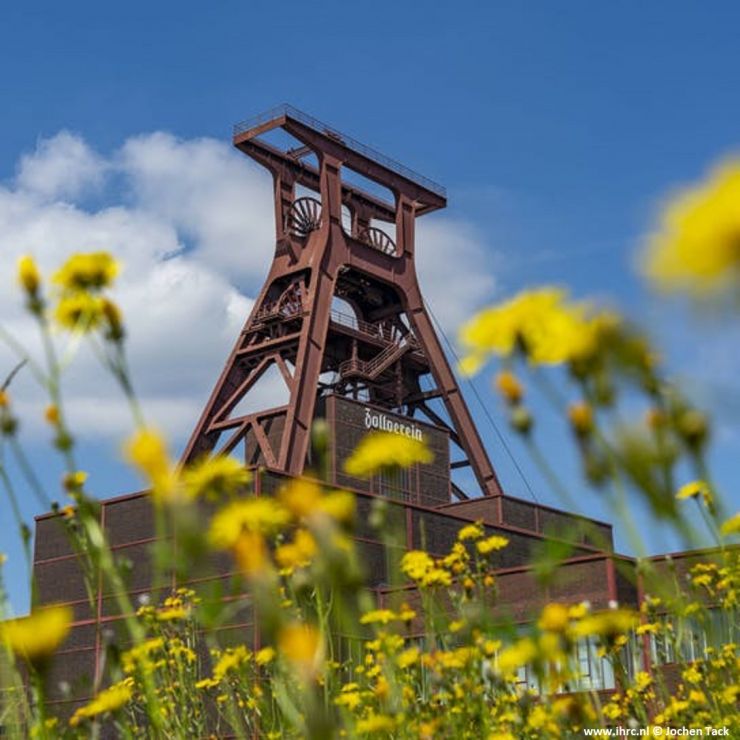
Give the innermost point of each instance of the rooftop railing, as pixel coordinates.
(348, 141)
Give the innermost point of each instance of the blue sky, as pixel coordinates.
(557, 129)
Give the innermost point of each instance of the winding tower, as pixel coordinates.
(337, 240)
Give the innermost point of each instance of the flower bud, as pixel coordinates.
(508, 385)
(521, 420)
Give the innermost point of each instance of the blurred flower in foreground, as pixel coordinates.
(697, 245)
(147, 451)
(36, 637)
(88, 271)
(108, 700)
(542, 324)
(382, 450)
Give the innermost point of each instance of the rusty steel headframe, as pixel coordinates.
(380, 353)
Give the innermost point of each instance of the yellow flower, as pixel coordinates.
(416, 563)
(215, 476)
(79, 312)
(300, 497)
(540, 323)
(90, 271)
(516, 655)
(230, 660)
(382, 616)
(554, 618)
(261, 514)
(490, 544)
(339, 505)
(147, 450)
(581, 418)
(471, 532)
(349, 699)
(51, 414)
(731, 526)
(264, 656)
(408, 657)
(108, 700)
(375, 723)
(172, 614)
(301, 645)
(140, 656)
(609, 624)
(298, 553)
(37, 636)
(695, 489)
(250, 553)
(305, 498)
(697, 245)
(508, 385)
(436, 577)
(4, 399)
(382, 450)
(692, 675)
(28, 275)
(74, 481)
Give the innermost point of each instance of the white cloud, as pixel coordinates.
(210, 207)
(63, 166)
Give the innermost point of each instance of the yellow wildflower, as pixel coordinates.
(349, 699)
(37, 636)
(298, 553)
(140, 656)
(516, 655)
(301, 645)
(79, 312)
(74, 481)
(608, 624)
(215, 476)
(339, 505)
(540, 323)
(731, 526)
(108, 700)
(300, 497)
(695, 489)
(471, 532)
(265, 655)
(581, 418)
(692, 675)
(250, 553)
(147, 451)
(230, 660)
(382, 450)
(382, 616)
(89, 271)
(416, 563)
(51, 414)
(28, 275)
(4, 399)
(261, 514)
(554, 618)
(697, 245)
(408, 657)
(375, 723)
(508, 385)
(490, 544)
(172, 614)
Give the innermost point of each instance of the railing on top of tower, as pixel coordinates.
(322, 128)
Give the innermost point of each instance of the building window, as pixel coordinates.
(683, 640)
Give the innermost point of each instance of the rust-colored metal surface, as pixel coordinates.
(340, 242)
